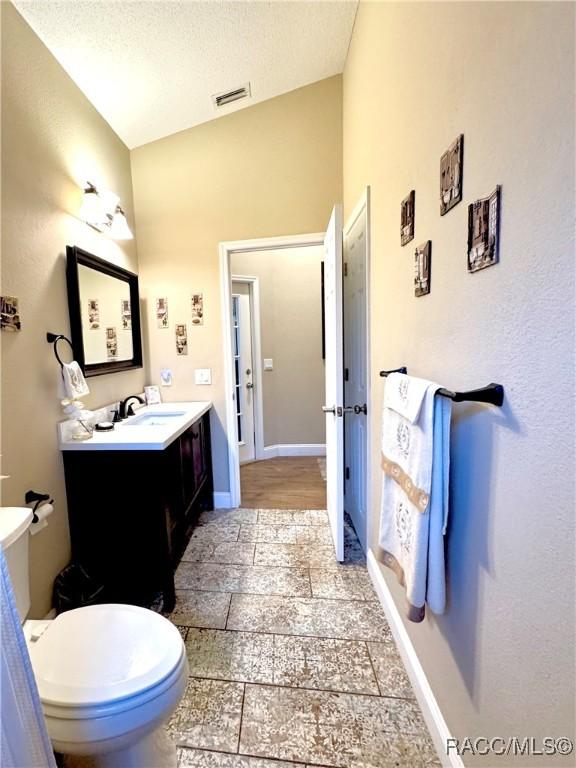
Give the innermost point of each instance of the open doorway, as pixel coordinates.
(275, 371)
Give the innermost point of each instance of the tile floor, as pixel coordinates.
(292, 662)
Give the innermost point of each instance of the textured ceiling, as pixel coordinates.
(150, 68)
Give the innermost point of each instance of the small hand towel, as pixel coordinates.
(73, 381)
(414, 511)
(405, 395)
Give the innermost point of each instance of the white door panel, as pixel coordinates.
(334, 398)
(355, 387)
(245, 378)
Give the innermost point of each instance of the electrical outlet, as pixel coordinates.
(203, 375)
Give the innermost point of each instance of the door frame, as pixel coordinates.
(253, 284)
(363, 207)
(226, 249)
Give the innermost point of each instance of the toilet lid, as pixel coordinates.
(102, 653)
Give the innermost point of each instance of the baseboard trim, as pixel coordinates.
(430, 710)
(222, 500)
(294, 449)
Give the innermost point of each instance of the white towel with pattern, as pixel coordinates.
(414, 512)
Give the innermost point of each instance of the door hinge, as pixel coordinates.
(347, 473)
(346, 374)
(345, 269)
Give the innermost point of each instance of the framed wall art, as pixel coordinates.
(111, 343)
(422, 268)
(162, 313)
(197, 309)
(407, 218)
(181, 340)
(93, 314)
(9, 314)
(483, 231)
(451, 172)
(126, 313)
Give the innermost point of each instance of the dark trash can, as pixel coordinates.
(74, 587)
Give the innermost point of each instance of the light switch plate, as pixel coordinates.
(268, 364)
(203, 375)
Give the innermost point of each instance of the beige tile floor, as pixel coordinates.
(292, 662)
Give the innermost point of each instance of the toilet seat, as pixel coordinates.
(104, 659)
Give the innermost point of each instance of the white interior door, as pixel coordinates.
(356, 378)
(334, 400)
(244, 374)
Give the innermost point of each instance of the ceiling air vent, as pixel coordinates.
(221, 99)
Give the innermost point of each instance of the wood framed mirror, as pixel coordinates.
(104, 307)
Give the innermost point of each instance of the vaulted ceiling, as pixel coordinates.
(151, 67)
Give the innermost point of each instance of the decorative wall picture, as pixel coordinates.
(422, 265)
(126, 313)
(93, 314)
(162, 313)
(407, 218)
(9, 314)
(483, 229)
(451, 172)
(181, 340)
(197, 309)
(111, 344)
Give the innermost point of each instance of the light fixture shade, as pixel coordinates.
(93, 211)
(119, 229)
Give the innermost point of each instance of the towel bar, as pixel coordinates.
(492, 393)
(54, 338)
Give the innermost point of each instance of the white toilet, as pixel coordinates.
(109, 676)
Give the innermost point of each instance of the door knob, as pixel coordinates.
(249, 385)
(361, 409)
(335, 409)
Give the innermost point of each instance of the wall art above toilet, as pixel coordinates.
(451, 173)
(483, 231)
(407, 210)
(197, 309)
(162, 313)
(181, 340)
(422, 268)
(9, 314)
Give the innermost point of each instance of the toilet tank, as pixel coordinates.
(14, 524)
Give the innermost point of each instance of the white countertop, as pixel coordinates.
(127, 436)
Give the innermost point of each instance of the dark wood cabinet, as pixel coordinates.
(132, 513)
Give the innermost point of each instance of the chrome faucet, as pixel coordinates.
(125, 409)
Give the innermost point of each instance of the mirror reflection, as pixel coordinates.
(106, 316)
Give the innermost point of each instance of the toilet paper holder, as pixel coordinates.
(38, 499)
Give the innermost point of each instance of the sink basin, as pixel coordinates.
(155, 419)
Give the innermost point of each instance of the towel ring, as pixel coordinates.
(54, 338)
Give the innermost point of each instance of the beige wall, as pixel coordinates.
(53, 140)
(273, 169)
(417, 75)
(291, 334)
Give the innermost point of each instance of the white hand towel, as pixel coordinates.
(73, 381)
(414, 512)
(405, 395)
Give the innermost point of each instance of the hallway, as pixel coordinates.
(291, 658)
(286, 482)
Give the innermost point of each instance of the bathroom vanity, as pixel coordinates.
(134, 495)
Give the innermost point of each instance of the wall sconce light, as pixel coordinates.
(102, 210)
